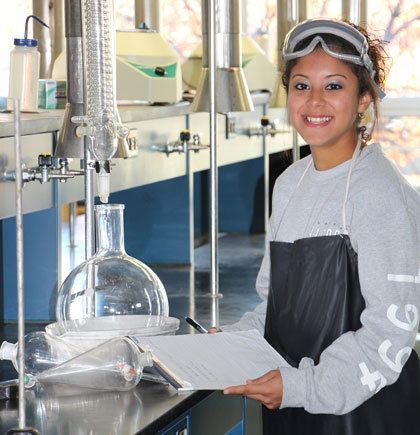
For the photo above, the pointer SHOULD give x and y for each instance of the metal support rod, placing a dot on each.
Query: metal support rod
(215, 320)
(89, 204)
(350, 10)
(59, 30)
(41, 8)
(286, 19)
(89, 230)
(191, 225)
(363, 18)
(69, 145)
(19, 267)
(214, 221)
(302, 10)
(192, 292)
(190, 172)
(72, 213)
(266, 157)
(147, 11)
(244, 16)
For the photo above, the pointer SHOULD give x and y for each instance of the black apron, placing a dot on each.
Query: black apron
(313, 299)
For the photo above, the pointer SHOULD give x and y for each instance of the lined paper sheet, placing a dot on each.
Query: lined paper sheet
(213, 361)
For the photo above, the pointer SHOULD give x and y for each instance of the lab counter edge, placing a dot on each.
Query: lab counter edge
(52, 120)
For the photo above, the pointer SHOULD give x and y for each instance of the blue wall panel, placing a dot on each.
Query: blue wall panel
(241, 197)
(156, 221)
(40, 265)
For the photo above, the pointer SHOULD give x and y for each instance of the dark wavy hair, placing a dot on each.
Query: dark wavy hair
(376, 53)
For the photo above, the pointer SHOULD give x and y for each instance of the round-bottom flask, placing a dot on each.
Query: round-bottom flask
(111, 283)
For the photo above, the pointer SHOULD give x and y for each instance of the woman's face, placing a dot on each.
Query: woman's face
(323, 101)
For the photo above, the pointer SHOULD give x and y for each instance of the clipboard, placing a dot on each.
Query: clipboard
(211, 361)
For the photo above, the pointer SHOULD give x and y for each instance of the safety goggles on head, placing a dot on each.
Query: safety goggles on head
(317, 26)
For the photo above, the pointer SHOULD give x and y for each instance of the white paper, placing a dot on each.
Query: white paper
(214, 361)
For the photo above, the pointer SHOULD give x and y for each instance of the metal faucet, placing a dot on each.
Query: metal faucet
(266, 128)
(45, 172)
(182, 145)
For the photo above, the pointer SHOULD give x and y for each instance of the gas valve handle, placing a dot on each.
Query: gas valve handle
(45, 160)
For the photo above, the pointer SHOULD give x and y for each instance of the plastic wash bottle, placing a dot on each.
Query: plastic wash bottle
(24, 72)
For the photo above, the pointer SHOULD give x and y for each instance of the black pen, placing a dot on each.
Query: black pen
(196, 325)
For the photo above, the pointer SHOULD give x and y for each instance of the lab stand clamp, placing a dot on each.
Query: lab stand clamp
(45, 172)
(133, 148)
(183, 144)
(266, 128)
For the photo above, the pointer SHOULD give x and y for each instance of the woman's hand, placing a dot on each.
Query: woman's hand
(267, 389)
(213, 330)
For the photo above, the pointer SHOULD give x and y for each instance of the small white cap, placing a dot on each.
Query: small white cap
(8, 351)
(103, 186)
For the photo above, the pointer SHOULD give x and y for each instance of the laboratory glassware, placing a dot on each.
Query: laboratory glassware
(42, 351)
(88, 333)
(115, 365)
(100, 124)
(99, 55)
(111, 284)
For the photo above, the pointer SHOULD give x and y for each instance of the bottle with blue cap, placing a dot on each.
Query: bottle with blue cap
(24, 71)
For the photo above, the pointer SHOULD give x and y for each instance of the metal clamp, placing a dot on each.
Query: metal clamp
(45, 171)
(183, 144)
(266, 128)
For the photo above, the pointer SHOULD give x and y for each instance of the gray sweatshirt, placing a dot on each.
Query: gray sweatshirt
(382, 213)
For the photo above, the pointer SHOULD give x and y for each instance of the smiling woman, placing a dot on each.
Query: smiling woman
(324, 105)
(339, 274)
(341, 82)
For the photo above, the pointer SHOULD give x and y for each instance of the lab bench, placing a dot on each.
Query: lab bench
(151, 408)
(148, 410)
(154, 186)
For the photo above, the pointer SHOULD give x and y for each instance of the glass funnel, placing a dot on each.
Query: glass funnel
(42, 351)
(111, 284)
(116, 364)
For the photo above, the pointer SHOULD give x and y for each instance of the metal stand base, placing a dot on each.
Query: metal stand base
(24, 431)
(9, 392)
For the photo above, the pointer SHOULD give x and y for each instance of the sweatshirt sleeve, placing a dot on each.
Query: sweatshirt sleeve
(359, 363)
